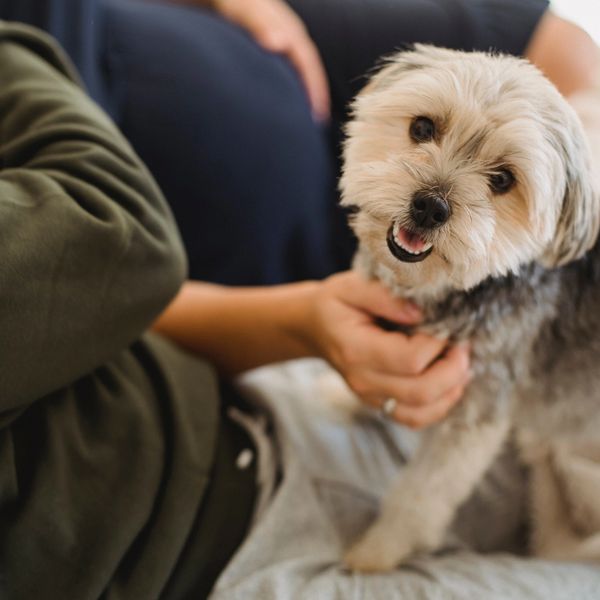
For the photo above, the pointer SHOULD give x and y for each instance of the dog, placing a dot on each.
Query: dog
(475, 194)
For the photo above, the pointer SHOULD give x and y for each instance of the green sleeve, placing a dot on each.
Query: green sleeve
(89, 252)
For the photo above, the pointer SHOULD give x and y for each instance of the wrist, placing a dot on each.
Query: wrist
(297, 316)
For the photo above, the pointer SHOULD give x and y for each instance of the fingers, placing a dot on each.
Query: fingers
(304, 55)
(423, 374)
(423, 416)
(442, 377)
(393, 354)
(411, 390)
(372, 297)
(277, 28)
(288, 37)
(422, 400)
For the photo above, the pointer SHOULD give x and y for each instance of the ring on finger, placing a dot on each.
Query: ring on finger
(389, 406)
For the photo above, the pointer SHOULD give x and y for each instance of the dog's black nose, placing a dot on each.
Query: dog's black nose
(429, 210)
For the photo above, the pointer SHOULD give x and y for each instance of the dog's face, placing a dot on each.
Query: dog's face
(464, 166)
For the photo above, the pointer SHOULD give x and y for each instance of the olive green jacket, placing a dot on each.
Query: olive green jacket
(106, 436)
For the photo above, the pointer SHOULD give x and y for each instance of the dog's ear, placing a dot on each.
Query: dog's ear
(579, 221)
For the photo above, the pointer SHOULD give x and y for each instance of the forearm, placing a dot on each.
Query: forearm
(334, 319)
(240, 328)
(565, 53)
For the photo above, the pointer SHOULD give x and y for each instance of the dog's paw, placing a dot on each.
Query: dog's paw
(377, 552)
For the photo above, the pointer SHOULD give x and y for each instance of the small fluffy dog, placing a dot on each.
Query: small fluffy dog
(474, 191)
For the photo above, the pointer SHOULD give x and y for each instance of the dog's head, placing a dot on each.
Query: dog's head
(463, 166)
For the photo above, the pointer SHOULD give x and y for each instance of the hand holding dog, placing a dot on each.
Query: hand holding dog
(243, 328)
(424, 376)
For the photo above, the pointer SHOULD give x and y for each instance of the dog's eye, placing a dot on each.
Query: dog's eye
(422, 129)
(502, 181)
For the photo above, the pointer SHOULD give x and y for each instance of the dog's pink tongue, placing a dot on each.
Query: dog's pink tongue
(410, 241)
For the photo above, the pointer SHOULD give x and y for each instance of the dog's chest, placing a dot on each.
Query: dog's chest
(501, 320)
(499, 316)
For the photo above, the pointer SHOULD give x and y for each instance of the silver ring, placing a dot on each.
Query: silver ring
(388, 408)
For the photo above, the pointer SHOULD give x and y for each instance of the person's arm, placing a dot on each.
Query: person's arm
(571, 60)
(90, 253)
(565, 53)
(241, 328)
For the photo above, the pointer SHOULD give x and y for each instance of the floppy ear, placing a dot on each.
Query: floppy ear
(579, 220)
(388, 71)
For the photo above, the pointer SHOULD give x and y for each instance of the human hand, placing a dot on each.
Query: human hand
(423, 374)
(277, 28)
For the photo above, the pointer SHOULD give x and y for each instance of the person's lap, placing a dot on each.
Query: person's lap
(335, 469)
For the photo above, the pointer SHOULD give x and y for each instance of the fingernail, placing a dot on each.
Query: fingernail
(320, 117)
(320, 112)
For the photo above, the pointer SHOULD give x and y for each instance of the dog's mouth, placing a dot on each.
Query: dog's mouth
(407, 245)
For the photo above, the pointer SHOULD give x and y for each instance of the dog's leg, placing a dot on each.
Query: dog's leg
(421, 505)
(554, 535)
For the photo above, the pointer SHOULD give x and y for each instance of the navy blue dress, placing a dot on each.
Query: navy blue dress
(225, 127)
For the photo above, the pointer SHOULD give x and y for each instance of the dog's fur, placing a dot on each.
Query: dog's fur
(517, 274)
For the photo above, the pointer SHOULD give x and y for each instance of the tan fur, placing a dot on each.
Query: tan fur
(551, 214)
(490, 112)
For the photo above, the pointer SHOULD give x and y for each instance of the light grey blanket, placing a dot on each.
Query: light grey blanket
(334, 468)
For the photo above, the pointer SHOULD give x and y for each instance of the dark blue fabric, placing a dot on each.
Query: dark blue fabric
(227, 131)
(77, 24)
(225, 127)
(352, 35)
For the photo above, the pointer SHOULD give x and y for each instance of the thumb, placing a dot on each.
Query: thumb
(374, 298)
